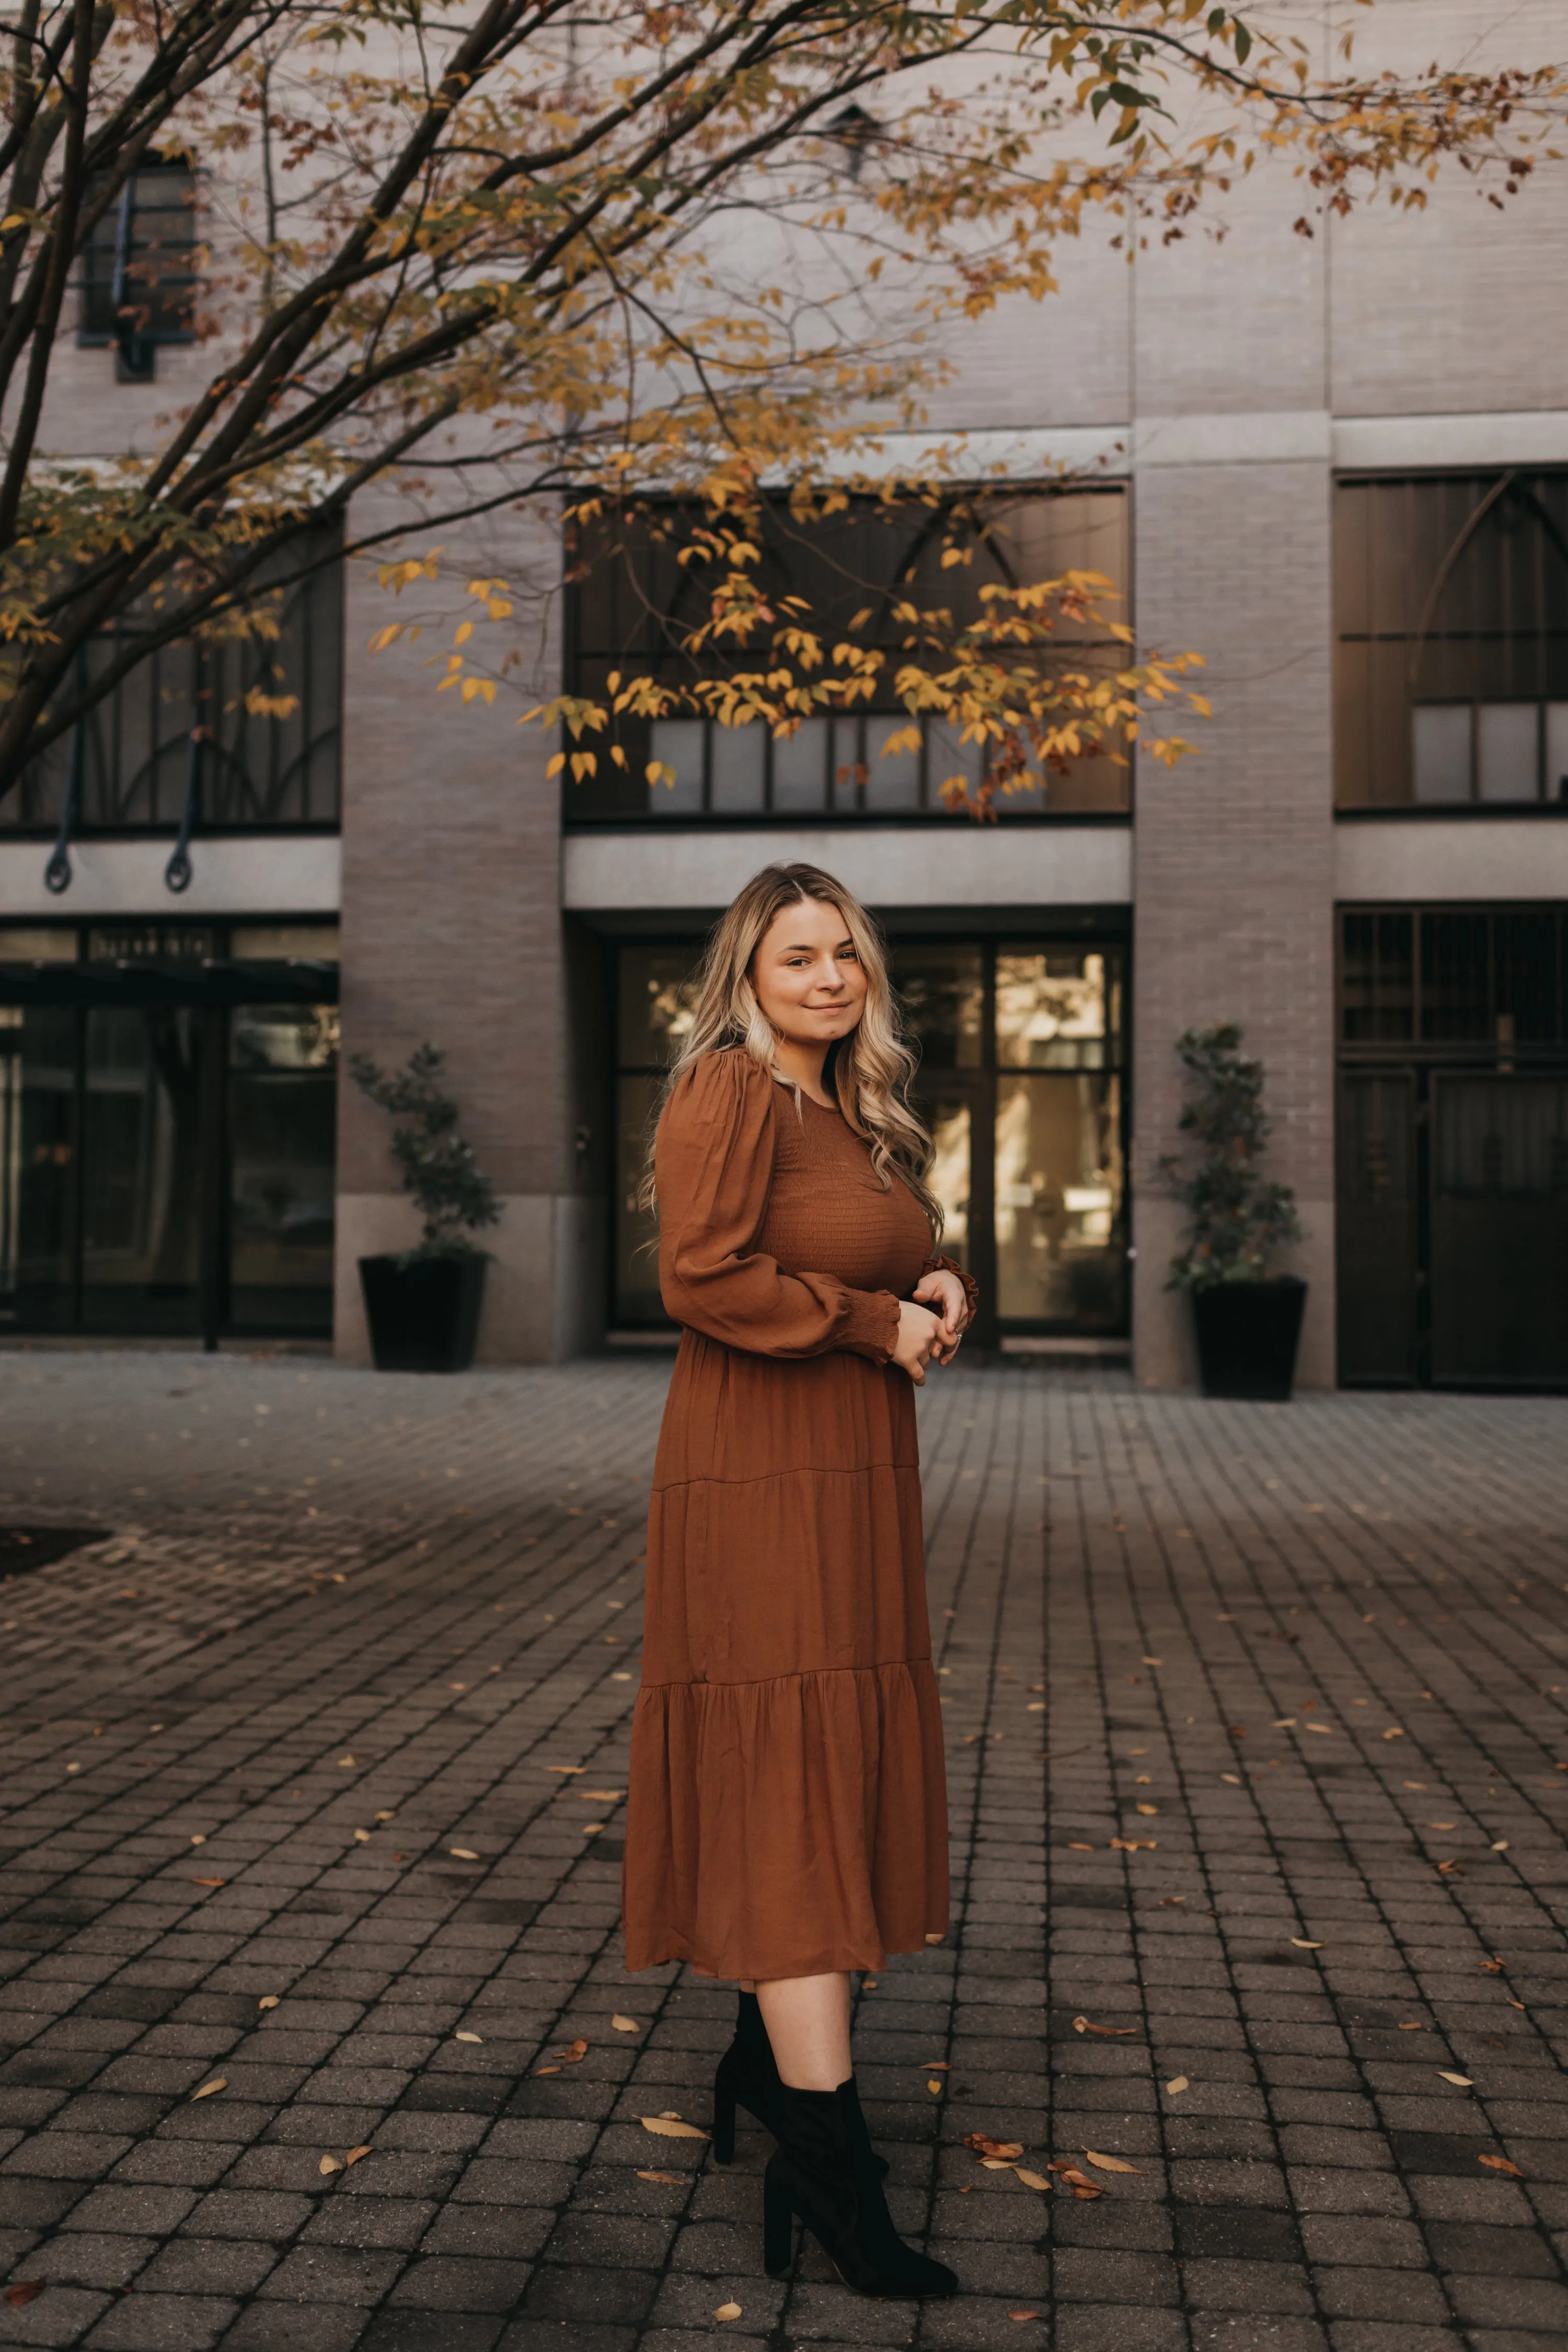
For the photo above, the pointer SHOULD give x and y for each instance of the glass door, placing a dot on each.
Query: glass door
(141, 1173)
(282, 1159)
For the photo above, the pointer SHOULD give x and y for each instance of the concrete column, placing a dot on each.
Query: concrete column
(452, 931)
(1233, 858)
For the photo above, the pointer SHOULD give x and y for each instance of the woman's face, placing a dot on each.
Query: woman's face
(807, 976)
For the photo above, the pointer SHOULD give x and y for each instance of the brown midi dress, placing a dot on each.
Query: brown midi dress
(787, 1812)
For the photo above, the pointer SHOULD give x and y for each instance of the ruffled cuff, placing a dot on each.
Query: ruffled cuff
(971, 1288)
(871, 1326)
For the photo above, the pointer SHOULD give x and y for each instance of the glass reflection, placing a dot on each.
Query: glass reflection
(1058, 1012)
(658, 1001)
(142, 1166)
(941, 990)
(1060, 1244)
(283, 1061)
(949, 1176)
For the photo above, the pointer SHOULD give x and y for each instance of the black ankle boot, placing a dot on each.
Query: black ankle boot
(748, 2077)
(822, 2170)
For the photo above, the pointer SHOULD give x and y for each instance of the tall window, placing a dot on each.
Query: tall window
(191, 719)
(629, 607)
(1451, 595)
(137, 267)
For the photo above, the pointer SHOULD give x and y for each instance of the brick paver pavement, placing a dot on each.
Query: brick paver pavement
(1278, 1920)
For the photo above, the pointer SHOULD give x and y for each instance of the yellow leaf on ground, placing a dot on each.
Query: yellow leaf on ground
(1009, 2150)
(571, 2053)
(463, 1853)
(1302, 1944)
(209, 1882)
(565, 1767)
(343, 1763)
(1032, 2179)
(468, 2037)
(1500, 2164)
(329, 2164)
(1460, 2082)
(355, 2154)
(600, 1796)
(1073, 1847)
(665, 2179)
(219, 2083)
(1176, 2085)
(1109, 2163)
(994, 2164)
(932, 2084)
(625, 2025)
(362, 1837)
(1233, 1778)
(670, 2127)
(269, 2001)
(728, 2311)
(1148, 1809)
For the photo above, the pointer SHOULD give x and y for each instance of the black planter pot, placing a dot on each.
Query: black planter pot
(425, 1316)
(1247, 1336)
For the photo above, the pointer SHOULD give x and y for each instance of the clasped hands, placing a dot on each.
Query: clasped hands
(931, 1324)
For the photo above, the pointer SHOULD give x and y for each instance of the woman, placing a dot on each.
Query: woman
(788, 1817)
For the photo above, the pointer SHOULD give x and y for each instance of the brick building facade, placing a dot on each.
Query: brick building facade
(1337, 467)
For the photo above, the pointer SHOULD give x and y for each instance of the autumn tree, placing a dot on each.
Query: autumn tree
(529, 251)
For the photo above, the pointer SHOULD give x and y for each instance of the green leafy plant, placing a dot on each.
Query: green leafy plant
(450, 1191)
(1238, 1217)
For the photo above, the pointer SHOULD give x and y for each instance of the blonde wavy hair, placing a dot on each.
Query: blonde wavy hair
(872, 1068)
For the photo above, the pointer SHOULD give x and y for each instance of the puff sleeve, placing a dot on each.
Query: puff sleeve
(712, 1165)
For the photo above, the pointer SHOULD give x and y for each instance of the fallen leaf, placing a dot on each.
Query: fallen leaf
(457, 1686)
(1073, 1847)
(1176, 2085)
(1084, 2025)
(1393, 1732)
(1283, 1723)
(571, 2053)
(1233, 1778)
(198, 1840)
(1318, 1727)
(1032, 2179)
(664, 2179)
(1420, 1785)
(994, 2164)
(625, 2025)
(1501, 1847)
(269, 2001)
(362, 1837)
(463, 1853)
(26, 2289)
(565, 1767)
(936, 2067)
(468, 2037)
(1303, 1944)
(600, 1796)
(1170, 1902)
(1154, 1662)
(219, 2083)
(592, 1829)
(1009, 2150)
(934, 2087)
(547, 2070)
(209, 1882)
(343, 1763)
(1110, 2163)
(728, 2311)
(1079, 2182)
(1500, 2164)
(670, 2127)
(1148, 1809)
(1445, 1869)
(1496, 1967)
(1460, 2082)
(329, 2164)
(1135, 1845)
(355, 2154)
(386, 1816)
(1023, 2315)
(1416, 2028)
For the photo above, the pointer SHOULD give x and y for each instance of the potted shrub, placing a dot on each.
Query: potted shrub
(423, 1304)
(1249, 1321)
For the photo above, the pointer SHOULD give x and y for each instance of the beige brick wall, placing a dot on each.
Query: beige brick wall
(453, 931)
(1234, 856)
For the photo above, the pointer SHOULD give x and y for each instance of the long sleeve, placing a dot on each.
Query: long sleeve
(713, 1164)
(949, 1266)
